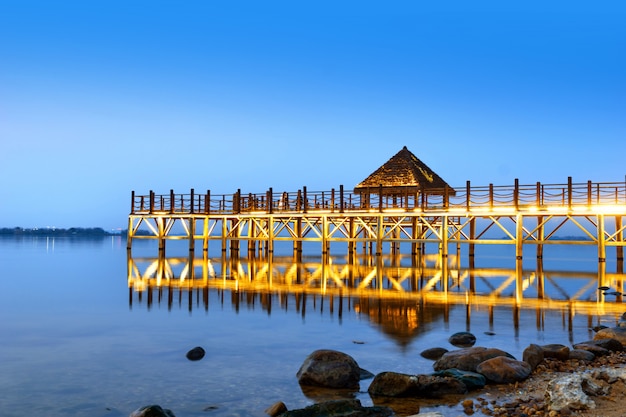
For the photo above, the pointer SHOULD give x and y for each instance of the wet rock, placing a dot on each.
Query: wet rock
(593, 348)
(329, 368)
(462, 339)
(351, 408)
(472, 380)
(533, 355)
(434, 353)
(152, 411)
(365, 374)
(195, 354)
(276, 409)
(504, 370)
(393, 384)
(556, 351)
(617, 333)
(581, 355)
(433, 386)
(467, 359)
(612, 345)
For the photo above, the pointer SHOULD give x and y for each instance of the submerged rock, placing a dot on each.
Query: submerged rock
(339, 408)
(195, 354)
(462, 339)
(434, 353)
(152, 411)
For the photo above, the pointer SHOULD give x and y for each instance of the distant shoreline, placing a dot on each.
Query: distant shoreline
(60, 232)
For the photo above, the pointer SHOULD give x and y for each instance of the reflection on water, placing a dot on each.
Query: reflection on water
(400, 295)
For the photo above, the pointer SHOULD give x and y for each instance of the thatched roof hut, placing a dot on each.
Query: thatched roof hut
(404, 174)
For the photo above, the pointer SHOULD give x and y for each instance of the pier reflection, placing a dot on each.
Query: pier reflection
(401, 295)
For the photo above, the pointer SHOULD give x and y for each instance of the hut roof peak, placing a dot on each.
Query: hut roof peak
(402, 173)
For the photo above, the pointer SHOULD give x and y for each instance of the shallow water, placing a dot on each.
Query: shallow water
(76, 341)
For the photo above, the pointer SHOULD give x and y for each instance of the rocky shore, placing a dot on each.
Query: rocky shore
(587, 379)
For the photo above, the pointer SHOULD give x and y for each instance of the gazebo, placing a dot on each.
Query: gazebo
(403, 176)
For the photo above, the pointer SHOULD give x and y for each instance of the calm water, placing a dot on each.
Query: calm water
(77, 342)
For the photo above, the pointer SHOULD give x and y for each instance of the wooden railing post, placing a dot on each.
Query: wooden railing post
(491, 196)
(305, 203)
(132, 202)
(569, 193)
(270, 201)
(446, 191)
(589, 191)
(237, 201)
(468, 199)
(332, 200)
(152, 197)
(191, 203)
(380, 198)
(207, 202)
(516, 194)
(341, 205)
(172, 201)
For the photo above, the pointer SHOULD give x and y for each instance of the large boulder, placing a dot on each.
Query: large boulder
(330, 369)
(339, 408)
(610, 345)
(468, 359)
(504, 370)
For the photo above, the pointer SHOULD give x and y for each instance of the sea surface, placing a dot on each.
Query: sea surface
(87, 330)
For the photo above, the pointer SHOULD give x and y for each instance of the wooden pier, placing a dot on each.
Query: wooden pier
(523, 216)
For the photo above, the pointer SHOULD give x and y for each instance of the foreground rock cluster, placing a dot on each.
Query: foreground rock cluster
(550, 380)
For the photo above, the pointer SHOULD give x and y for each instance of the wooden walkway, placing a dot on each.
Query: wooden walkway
(524, 216)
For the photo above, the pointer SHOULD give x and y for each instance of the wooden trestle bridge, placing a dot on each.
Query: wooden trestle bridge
(522, 216)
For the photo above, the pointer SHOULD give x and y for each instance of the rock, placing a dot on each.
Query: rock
(331, 369)
(434, 353)
(462, 339)
(609, 344)
(195, 354)
(433, 386)
(393, 384)
(504, 370)
(365, 374)
(566, 392)
(152, 411)
(472, 380)
(467, 359)
(599, 327)
(581, 355)
(276, 409)
(533, 355)
(351, 408)
(593, 348)
(617, 333)
(556, 351)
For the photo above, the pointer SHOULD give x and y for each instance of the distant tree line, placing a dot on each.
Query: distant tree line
(54, 231)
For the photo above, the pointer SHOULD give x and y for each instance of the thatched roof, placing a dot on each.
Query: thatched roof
(401, 174)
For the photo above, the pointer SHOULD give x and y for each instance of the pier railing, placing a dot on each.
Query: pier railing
(519, 197)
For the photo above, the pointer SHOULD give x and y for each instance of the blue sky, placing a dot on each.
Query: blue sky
(99, 98)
